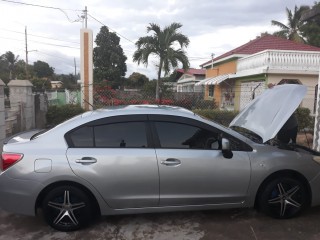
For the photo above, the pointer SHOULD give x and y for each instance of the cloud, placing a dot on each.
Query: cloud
(212, 26)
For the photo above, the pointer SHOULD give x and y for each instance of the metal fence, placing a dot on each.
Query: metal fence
(104, 96)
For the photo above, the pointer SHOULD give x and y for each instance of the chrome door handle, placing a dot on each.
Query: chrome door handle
(171, 162)
(86, 160)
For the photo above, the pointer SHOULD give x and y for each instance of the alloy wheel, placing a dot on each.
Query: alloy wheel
(67, 208)
(284, 197)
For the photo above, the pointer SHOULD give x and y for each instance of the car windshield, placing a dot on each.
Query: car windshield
(247, 133)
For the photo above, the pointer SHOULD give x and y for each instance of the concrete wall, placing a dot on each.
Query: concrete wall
(21, 97)
(26, 110)
(41, 108)
(2, 115)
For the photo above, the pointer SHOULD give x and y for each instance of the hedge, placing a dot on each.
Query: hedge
(58, 114)
(222, 117)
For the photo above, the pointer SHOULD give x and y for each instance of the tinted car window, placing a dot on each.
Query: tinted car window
(176, 135)
(82, 137)
(121, 135)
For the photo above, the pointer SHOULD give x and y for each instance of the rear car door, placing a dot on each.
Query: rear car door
(116, 156)
(192, 168)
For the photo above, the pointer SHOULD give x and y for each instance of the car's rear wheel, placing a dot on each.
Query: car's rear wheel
(283, 197)
(67, 208)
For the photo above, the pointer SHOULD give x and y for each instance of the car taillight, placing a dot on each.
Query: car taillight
(9, 159)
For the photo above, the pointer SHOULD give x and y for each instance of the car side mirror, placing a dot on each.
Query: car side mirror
(226, 149)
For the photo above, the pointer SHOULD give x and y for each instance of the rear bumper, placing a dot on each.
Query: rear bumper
(18, 196)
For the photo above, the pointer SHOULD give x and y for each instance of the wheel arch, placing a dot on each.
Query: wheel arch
(284, 173)
(50, 187)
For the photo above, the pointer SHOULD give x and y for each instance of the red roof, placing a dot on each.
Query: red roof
(193, 71)
(267, 42)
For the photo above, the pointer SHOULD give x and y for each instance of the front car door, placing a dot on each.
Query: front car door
(192, 168)
(115, 155)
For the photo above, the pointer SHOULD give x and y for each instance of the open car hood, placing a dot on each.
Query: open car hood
(266, 114)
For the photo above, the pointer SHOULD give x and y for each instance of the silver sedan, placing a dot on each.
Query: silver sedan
(138, 159)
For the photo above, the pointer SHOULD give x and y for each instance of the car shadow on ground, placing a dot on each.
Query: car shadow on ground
(215, 224)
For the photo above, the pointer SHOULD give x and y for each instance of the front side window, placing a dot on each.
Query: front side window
(183, 136)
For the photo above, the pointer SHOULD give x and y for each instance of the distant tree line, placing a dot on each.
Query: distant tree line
(40, 73)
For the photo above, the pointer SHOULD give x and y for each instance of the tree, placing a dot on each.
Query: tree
(108, 58)
(311, 29)
(149, 89)
(4, 74)
(162, 45)
(40, 84)
(68, 80)
(42, 69)
(137, 80)
(293, 29)
(11, 60)
(20, 70)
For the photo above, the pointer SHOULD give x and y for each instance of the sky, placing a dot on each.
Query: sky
(213, 26)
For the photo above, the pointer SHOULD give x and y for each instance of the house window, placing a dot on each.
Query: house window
(289, 81)
(211, 90)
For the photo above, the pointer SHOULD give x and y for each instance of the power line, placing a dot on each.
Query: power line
(111, 29)
(49, 7)
(36, 5)
(50, 44)
(65, 60)
(55, 39)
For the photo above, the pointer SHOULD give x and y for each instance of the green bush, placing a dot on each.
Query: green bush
(222, 117)
(58, 114)
(205, 104)
(305, 120)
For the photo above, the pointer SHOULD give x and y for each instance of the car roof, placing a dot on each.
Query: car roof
(138, 109)
(124, 110)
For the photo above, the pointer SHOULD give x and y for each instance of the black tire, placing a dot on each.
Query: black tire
(283, 197)
(67, 208)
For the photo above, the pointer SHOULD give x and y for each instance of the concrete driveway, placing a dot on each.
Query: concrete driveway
(222, 224)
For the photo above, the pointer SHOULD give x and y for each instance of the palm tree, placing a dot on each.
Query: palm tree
(162, 45)
(292, 30)
(11, 60)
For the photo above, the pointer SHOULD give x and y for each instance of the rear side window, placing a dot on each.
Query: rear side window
(121, 135)
(82, 137)
(113, 135)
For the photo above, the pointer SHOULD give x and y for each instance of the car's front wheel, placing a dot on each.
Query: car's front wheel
(67, 208)
(283, 197)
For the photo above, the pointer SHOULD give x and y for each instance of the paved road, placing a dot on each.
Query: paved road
(205, 225)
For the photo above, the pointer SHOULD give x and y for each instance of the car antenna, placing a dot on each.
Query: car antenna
(93, 108)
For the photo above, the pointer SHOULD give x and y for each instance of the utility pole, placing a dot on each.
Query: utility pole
(212, 57)
(75, 70)
(86, 64)
(26, 66)
(85, 13)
